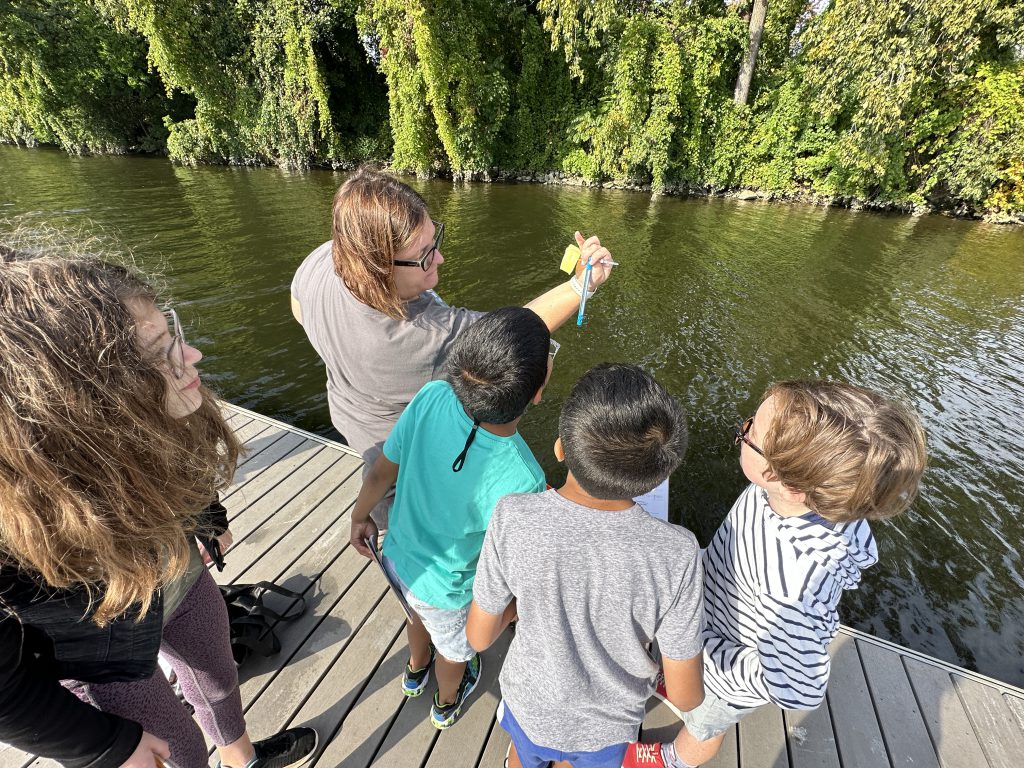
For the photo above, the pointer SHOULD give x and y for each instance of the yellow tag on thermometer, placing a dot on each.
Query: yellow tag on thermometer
(570, 258)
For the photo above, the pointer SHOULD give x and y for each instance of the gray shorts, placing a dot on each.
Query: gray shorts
(447, 627)
(713, 716)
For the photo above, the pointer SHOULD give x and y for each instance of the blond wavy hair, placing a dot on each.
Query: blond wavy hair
(99, 486)
(375, 217)
(855, 453)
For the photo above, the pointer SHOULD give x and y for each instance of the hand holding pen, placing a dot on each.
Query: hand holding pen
(593, 269)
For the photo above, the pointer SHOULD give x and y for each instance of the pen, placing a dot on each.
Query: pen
(608, 263)
(583, 295)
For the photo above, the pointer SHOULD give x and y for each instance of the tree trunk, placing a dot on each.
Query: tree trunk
(747, 70)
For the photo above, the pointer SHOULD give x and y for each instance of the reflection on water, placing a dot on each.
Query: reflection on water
(717, 298)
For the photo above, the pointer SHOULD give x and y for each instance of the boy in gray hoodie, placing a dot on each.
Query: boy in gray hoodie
(823, 460)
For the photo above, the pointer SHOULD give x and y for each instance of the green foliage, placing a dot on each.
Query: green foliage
(893, 100)
(630, 133)
(876, 68)
(979, 157)
(541, 108)
(259, 74)
(68, 78)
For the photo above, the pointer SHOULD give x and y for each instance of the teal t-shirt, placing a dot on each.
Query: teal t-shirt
(437, 522)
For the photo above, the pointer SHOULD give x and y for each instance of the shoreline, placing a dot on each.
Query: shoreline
(559, 178)
(744, 194)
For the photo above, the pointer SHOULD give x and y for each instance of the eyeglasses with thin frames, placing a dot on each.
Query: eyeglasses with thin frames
(176, 352)
(741, 431)
(424, 261)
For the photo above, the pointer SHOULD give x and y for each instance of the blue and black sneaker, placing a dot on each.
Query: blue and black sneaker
(444, 716)
(415, 680)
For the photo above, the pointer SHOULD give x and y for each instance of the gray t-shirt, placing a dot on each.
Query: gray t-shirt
(593, 589)
(375, 364)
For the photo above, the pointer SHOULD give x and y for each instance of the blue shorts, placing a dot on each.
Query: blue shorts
(713, 716)
(534, 756)
(447, 627)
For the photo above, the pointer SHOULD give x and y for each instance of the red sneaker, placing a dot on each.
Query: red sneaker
(661, 693)
(643, 756)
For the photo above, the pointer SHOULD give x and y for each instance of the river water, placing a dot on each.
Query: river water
(718, 298)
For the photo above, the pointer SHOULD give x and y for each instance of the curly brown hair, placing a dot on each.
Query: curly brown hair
(855, 453)
(375, 216)
(99, 486)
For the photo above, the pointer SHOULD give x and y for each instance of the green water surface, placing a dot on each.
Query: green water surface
(718, 298)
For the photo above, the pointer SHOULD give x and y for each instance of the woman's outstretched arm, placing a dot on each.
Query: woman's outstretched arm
(562, 302)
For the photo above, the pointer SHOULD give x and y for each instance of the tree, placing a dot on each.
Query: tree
(746, 75)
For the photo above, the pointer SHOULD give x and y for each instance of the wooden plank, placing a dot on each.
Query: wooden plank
(349, 675)
(249, 435)
(762, 739)
(995, 725)
(496, 748)
(291, 531)
(277, 703)
(323, 534)
(260, 483)
(411, 736)
(461, 745)
(320, 617)
(270, 452)
(729, 755)
(906, 735)
(14, 758)
(857, 733)
(811, 741)
(273, 492)
(368, 722)
(949, 728)
(256, 436)
(1016, 705)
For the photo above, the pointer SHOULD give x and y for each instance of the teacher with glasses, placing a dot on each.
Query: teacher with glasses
(367, 303)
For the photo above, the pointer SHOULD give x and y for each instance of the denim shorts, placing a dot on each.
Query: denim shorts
(447, 627)
(713, 716)
(533, 756)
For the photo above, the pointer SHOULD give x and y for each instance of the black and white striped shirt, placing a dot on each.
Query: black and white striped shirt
(771, 588)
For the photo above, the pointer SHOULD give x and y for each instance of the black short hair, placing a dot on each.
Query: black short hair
(621, 431)
(497, 365)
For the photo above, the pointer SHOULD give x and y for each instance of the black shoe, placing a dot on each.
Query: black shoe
(443, 716)
(286, 749)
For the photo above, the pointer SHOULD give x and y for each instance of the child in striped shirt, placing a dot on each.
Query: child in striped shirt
(823, 460)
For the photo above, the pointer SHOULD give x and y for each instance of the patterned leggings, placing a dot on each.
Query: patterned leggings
(196, 643)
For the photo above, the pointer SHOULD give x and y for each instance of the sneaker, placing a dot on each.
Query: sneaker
(415, 680)
(287, 749)
(662, 693)
(643, 756)
(442, 717)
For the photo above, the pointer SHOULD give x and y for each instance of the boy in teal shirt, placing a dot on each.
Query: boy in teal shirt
(454, 452)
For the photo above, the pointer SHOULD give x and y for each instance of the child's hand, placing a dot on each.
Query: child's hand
(592, 252)
(361, 532)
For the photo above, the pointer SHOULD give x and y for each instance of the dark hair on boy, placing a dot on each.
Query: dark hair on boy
(497, 365)
(621, 431)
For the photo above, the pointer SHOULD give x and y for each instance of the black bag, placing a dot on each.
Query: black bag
(251, 623)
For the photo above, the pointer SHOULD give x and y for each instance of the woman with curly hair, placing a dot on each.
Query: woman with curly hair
(110, 453)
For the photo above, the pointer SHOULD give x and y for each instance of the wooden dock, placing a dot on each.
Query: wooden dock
(340, 662)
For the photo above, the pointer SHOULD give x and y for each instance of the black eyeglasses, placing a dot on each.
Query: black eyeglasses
(427, 258)
(176, 352)
(741, 431)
